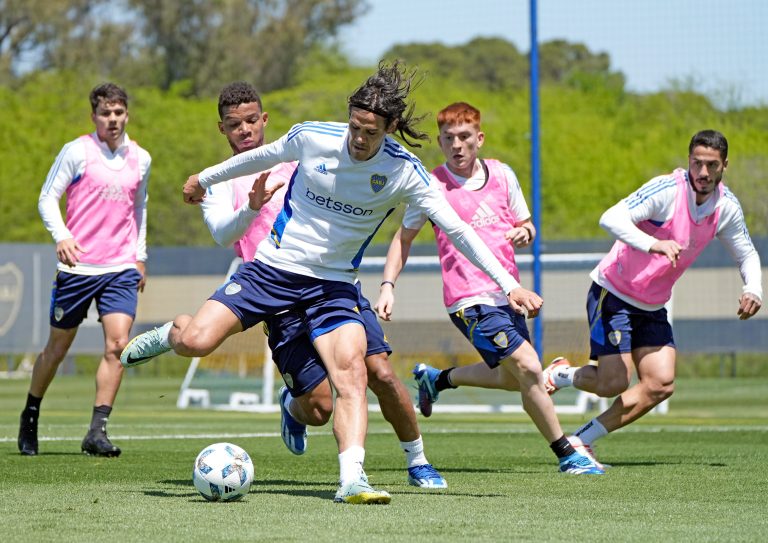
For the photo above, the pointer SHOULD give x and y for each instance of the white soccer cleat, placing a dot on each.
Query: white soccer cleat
(146, 346)
(360, 492)
(549, 378)
(586, 450)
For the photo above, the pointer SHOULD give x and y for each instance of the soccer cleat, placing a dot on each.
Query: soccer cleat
(96, 443)
(426, 476)
(425, 377)
(549, 378)
(586, 450)
(146, 346)
(360, 492)
(578, 464)
(27, 434)
(294, 433)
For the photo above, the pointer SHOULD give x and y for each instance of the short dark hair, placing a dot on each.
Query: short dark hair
(109, 93)
(712, 139)
(384, 94)
(237, 93)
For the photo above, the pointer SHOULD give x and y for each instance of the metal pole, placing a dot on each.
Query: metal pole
(538, 327)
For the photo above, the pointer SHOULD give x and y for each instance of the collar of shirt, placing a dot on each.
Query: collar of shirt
(121, 150)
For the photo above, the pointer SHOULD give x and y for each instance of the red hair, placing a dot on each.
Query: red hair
(459, 113)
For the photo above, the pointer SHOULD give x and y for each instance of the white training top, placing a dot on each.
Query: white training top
(336, 204)
(68, 167)
(655, 201)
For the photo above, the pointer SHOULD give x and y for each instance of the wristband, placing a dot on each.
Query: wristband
(387, 283)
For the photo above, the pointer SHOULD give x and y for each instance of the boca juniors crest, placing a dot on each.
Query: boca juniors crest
(11, 290)
(378, 182)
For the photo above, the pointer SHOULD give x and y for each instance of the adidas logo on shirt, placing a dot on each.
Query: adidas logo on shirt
(484, 216)
(321, 169)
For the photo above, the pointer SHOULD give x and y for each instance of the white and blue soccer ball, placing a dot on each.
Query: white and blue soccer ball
(222, 472)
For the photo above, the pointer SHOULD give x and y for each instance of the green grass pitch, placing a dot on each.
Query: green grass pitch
(696, 474)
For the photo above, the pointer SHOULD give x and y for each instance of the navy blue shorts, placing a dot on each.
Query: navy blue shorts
(296, 357)
(618, 327)
(496, 332)
(256, 292)
(72, 295)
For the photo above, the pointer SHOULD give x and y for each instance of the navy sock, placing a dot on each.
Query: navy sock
(100, 416)
(562, 447)
(442, 382)
(33, 404)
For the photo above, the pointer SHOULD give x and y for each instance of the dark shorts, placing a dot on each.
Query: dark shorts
(618, 327)
(496, 332)
(296, 357)
(257, 292)
(73, 293)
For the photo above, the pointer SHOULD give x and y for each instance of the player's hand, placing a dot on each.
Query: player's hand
(669, 248)
(386, 302)
(749, 304)
(259, 194)
(141, 267)
(525, 302)
(68, 252)
(193, 193)
(519, 236)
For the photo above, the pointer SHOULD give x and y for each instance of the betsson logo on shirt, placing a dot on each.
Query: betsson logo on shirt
(337, 206)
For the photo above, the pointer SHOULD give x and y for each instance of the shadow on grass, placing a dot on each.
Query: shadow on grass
(184, 489)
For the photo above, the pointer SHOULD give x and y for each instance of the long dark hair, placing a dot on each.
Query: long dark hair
(385, 92)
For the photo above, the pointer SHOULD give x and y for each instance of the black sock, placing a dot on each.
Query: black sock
(33, 404)
(100, 416)
(442, 382)
(562, 447)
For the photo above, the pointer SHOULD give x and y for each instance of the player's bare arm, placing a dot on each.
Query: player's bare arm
(193, 193)
(397, 255)
(669, 248)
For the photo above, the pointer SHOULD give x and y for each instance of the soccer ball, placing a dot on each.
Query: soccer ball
(222, 472)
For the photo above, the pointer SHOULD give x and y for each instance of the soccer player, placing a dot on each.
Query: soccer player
(486, 194)
(101, 250)
(307, 398)
(660, 230)
(350, 178)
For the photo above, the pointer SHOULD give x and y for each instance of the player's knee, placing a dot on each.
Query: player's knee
(658, 392)
(54, 353)
(382, 380)
(319, 412)
(528, 372)
(115, 346)
(194, 342)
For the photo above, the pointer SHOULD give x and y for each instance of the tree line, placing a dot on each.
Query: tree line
(599, 141)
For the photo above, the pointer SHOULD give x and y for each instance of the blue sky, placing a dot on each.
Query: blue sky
(720, 45)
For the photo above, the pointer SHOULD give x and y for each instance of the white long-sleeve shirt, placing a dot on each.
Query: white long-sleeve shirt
(335, 204)
(655, 201)
(68, 167)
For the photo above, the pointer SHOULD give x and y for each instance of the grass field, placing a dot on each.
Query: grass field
(696, 474)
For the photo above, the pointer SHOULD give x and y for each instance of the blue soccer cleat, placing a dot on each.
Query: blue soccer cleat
(426, 476)
(578, 464)
(425, 377)
(294, 433)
